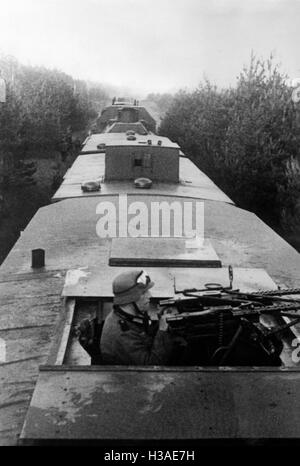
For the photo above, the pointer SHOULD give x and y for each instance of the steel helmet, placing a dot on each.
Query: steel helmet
(129, 286)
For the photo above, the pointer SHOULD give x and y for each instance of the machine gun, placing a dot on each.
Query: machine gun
(226, 324)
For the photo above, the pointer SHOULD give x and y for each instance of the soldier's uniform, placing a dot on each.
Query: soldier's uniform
(129, 339)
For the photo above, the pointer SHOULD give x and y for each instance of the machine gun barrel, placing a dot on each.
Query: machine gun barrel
(238, 311)
(263, 296)
(268, 309)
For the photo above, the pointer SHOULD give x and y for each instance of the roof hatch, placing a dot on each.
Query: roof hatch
(155, 252)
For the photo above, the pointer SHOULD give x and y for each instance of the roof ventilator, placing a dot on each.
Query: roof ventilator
(131, 137)
(143, 183)
(90, 186)
(149, 142)
(101, 146)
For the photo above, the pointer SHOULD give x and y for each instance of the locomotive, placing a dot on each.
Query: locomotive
(132, 198)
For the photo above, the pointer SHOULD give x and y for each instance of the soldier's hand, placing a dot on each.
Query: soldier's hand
(163, 324)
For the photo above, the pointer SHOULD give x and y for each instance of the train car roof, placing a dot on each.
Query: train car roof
(31, 299)
(238, 236)
(120, 139)
(193, 182)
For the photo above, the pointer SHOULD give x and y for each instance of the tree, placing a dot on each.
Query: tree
(245, 138)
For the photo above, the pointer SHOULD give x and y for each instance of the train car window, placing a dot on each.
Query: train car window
(138, 161)
(142, 161)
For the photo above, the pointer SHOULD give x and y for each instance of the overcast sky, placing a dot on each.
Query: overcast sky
(151, 45)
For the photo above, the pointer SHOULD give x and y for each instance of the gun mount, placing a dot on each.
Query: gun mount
(227, 327)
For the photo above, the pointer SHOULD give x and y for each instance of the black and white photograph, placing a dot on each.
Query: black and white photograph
(149, 226)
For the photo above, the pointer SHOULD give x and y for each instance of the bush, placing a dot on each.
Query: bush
(42, 109)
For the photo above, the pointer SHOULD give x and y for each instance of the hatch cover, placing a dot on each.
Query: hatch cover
(116, 405)
(157, 252)
(89, 282)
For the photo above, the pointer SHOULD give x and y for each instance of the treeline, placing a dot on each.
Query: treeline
(163, 101)
(246, 139)
(42, 122)
(41, 104)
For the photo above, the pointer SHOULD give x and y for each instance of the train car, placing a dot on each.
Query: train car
(133, 199)
(123, 112)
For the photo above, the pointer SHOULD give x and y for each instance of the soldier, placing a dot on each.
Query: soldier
(128, 337)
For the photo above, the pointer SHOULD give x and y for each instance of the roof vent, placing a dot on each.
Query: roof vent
(159, 142)
(149, 142)
(143, 183)
(101, 146)
(131, 137)
(90, 186)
